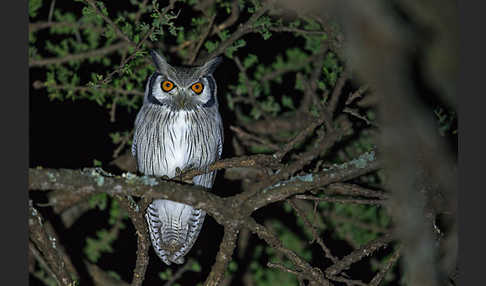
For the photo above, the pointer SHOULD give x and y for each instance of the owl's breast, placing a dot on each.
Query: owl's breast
(175, 140)
(176, 151)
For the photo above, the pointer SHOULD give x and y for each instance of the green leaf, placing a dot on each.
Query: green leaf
(96, 163)
(210, 46)
(287, 102)
(250, 60)
(34, 6)
(233, 48)
(99, 200)
(166, 275)
(196, 267)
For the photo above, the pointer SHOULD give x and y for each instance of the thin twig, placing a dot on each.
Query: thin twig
(350, 220)
(348, 282)
(283, 268)
(249, 137)
(39, 84)
(342, 200)
(204, 36)
(110, 22)
(80, 56)
(355, 190)
(378, 278)
(241, 31)
(357, 94)
(310, 273)
(298, 31)
(141, 10)
(34, 27)
(251, 98)
(315, 236)
(179, 273)
(336, 94)
(301, 64)
(299, 138)
(235, 14)
(123, 143)
(113, 108)
(358, 254)
(233, 17)
(51, 10)
(355, 113)
(126, 60)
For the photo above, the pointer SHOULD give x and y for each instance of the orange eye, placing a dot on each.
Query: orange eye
(197, 87)
(167, 85)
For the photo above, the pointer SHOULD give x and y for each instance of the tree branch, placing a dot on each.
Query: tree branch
(388, 265)
(48, 246)
(281, 190)
(136, 214)
(38, 84)
(76, 57)
(110, 22)
(309, 272)
(358, 254)
(223, 257)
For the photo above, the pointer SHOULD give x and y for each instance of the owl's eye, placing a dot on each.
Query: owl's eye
(197, 87)
(167, 85)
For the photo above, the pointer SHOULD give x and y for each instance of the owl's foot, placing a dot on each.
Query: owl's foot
(180, 174)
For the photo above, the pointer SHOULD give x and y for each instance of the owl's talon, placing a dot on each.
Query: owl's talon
(165, 177)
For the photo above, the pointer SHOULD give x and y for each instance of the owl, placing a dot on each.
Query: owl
(177, 127)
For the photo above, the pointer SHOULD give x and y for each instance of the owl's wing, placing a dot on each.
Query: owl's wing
(134, 146)
(220, 141)
(220, 147)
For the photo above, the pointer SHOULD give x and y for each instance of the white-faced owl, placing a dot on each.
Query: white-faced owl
(177, 127)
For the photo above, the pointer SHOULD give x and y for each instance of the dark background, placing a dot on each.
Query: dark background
(71, 134)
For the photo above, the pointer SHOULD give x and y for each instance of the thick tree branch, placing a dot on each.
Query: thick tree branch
(258, 160)
(223, 257)
(89, 181)
(281, 190)
(136, 214)
(48, 246)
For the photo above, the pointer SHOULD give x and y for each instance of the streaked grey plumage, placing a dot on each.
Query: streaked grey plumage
(177, 128)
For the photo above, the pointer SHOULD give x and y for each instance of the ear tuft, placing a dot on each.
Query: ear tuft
(159, 61)
(210, 66)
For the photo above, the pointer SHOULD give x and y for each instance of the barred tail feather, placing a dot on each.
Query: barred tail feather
(154, 225)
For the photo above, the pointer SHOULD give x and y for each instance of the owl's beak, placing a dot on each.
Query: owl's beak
(182, 100)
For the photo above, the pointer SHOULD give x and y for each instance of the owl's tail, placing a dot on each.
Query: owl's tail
(173, 227)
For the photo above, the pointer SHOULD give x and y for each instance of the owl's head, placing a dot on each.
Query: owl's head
(182, 88)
